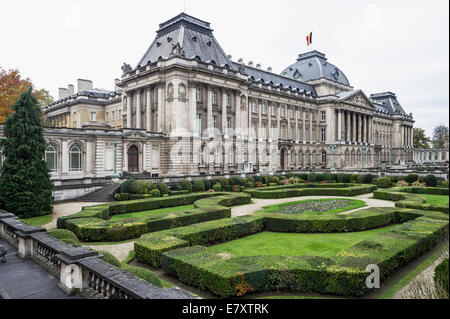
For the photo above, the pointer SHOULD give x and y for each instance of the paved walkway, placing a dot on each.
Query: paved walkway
(120, 251)
(261, 203)
(24, 279)
(67, 208)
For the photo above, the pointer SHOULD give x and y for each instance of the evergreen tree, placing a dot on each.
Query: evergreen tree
(25, 186)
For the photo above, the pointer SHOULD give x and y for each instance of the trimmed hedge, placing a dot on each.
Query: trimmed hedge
(296, 190)
(65, 236)
(345, 274)
(92, 224)
(441, 276)
(406, 197)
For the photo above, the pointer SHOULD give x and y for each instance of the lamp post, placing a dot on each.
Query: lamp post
(332, 150)
(115, 175)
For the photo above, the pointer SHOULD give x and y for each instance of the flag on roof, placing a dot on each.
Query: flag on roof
(309, 39)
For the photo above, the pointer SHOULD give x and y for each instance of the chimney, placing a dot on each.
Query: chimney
(250, 63)
(71, 89)
(258, 66)
(269, 69)
(116, 87)
(63, 93)
(84, 85)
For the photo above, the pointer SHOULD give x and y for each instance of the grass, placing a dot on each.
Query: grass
(435, 199)
(389, 293)
(152, 212)
(297, 297)
(294, 244)
(38, 221)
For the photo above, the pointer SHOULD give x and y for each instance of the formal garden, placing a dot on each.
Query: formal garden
(318, 245)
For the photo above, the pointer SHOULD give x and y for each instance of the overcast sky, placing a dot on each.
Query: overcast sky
(398, 46)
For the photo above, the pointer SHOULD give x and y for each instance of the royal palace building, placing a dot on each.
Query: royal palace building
(188, 108)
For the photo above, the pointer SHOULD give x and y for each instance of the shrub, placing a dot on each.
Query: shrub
(282, 177)
(441, 278)
(217, 187)
(276, 179)
(207, 184)
(326, 177)
(176, 187)
(312, 177)
(144, 274)
(368, 179)
(445, 184)
(430, 181)
(65, 236)
(411, 178)
(224, 182)
(402, 183)
(383, 182)
(253, 180)
(250, 184)
(199, 186)
(360, 179)
(186, 185)
(127, 186)
(141, 187)
(418, 184)
(258, 184)
(163, 188)
(153, 186)
(236, 189)
(109, 258)
(155, 193)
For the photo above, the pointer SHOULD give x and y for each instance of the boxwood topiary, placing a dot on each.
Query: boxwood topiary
(65, 236)
(109, 258)
(144, 274)
(217, 187)
(430, 181)
(163, 188)
(207, 184)
(127, 186)
(411, 178)
(199, 186)
(186, 185)
(155, 193)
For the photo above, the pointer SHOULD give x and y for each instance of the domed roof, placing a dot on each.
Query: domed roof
(314, 65)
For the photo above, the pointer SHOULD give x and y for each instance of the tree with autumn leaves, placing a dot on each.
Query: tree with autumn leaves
(12, 85)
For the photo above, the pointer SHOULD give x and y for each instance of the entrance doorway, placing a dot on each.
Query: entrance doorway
(133, 159)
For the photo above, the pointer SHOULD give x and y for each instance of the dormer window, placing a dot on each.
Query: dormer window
(169, 39)
(158, 44)
(208, 43)
(194, 38)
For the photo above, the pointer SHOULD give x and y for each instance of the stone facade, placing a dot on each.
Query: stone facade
(188, 109)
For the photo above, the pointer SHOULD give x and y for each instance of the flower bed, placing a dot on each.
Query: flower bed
(315, 206)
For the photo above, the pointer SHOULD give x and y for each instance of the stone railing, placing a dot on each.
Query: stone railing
(80, 270)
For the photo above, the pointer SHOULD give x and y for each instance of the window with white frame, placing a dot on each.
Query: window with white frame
(93, 116)
(264, 130)
(51, 158)
(291, 133)
(323, 115)
(214, 121)
(299, 134)
(312, 115)
(283, 111)
(120, 114)
(263, 108)
(201, 156)
(254, 110)
(254, 128)
(306, 137)
(291, 112)
(299, 113)
(283, 132)
(323, 134)
(231, 156)
(198, 123)
(324, 157)
(217, 155)
(198, 94)
(74, 116)
(75, 157)
(273, 110)
(228, 99)
(273, 131)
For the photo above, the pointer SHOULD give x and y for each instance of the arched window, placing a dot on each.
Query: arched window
(324, 157)
(51, 158)
(75, 156)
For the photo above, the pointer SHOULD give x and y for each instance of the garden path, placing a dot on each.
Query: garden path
(66, 208)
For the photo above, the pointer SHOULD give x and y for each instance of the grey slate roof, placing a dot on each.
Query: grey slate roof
(93, 93)
(265, 77)
(195, 38)
(387, 101)
(314, 65)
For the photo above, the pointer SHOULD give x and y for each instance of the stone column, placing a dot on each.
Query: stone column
(359, 128)
(304, 125)
(258, 131)
(348, 129)
(149, 109)
(209, 113)
(160, 122)
(138, 109)
(297, 138)
(127, 101)
(354, 127)
(310, 126)
(237, 124)
(224, 113)
(192, 125)
(278, 128)
(339, 126)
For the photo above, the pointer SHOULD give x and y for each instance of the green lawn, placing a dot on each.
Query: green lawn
(435, 199)
(289, 244)
(152, 212)
(37, 221)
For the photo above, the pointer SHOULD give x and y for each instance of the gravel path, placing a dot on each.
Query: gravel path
(260, 203)
(67, 208)
(120, 251)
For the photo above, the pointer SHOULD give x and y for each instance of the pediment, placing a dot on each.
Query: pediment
(134, 134)
(358, 98)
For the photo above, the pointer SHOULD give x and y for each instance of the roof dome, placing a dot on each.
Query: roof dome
(314, 65)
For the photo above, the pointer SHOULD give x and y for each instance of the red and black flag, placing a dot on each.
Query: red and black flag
(309, 39)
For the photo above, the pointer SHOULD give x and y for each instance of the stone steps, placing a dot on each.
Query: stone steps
(104, 194)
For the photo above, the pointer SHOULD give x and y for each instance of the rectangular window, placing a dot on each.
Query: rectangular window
(283, 111)
(198, 94)
(228, 125)
(313, 134)
(263, 108)
(299, 114)
(214, 121)
(120, 114)
(107, 117)
(228, 100)
(74, 116)
(254, 128)
(306, 115)
(93, 116)
(113, 115)
(306, 137)
(273, 130)
(273, 110)
(292, 112)
(291, 133)
(283, 132)
(323, 115)
(323, 135)
(199, 123)
(214, 97)
(299, 134)
(254, 107)
(263, 131)
(312, 116)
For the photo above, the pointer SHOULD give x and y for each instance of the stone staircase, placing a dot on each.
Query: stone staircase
(104, 194)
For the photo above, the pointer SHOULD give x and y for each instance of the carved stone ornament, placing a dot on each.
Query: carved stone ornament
(170, 91)
(243, 103)
(182, 91)
(125, 103)
(177, 51)
(126, 68)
